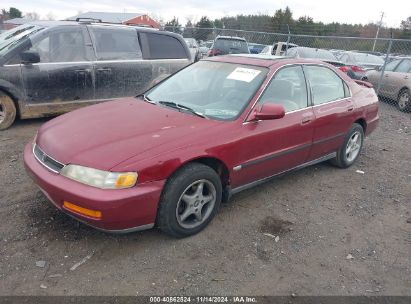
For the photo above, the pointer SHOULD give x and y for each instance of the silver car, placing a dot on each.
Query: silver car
(194, 49)
(396, 82)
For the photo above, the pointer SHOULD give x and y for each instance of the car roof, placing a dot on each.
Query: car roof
(67, 22)
(263, 60)
(230, 37)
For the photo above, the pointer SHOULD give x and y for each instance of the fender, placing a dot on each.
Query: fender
(16, 94)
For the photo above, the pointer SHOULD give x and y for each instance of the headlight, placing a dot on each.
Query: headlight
(98, 178)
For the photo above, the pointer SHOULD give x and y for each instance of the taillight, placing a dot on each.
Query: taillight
(357, 69)
(213, 52)
(345, 69)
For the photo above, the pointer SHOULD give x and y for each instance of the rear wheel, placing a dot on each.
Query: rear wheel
(351, 148)
(190, 200)
(7, 111)
(404, 100)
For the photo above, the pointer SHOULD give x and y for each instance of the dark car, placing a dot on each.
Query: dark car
(217, 127)
(47, 68)
(224, 45)
(256, 48)
(357, 64)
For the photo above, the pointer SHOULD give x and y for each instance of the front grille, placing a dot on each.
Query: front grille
(47, 161)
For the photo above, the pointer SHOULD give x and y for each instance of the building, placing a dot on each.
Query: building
(11, 23)
(120, 18)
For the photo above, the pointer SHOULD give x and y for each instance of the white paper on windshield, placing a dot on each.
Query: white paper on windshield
(243, 74)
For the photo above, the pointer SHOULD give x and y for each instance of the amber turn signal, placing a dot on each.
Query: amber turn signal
(81, 210)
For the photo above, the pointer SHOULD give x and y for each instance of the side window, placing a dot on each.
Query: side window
(325, 84)
(158, 46)
(288, 88)
(404, 67)
(64, 44)
(392, 65)
(116, 43)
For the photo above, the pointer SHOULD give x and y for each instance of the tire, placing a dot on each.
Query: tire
(181, 217)
(7, 111)
(344, 158)
(404, 100)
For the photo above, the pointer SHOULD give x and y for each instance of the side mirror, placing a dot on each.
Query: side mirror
(268, 111)
(29, 57)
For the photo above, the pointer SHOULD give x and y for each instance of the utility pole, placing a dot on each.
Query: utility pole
(378, 31)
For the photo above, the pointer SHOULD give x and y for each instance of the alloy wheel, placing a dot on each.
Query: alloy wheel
(353, 146)
(2, 112)
(196, 204)
(403, 100)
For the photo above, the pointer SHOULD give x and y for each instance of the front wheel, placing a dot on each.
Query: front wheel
(190, 200)
(404, 100)
(351, 148)
(7, 111)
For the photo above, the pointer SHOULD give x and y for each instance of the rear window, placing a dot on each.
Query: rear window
(231, 46)
(158, 46)
(368, 59)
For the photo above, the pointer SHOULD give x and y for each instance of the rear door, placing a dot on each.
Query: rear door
(64, 73)
(119, 68)
(274, 146)
(333, 109)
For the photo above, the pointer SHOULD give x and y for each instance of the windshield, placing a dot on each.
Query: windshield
(14, 36)
(368, 59)
(217, 90)
(231, 46)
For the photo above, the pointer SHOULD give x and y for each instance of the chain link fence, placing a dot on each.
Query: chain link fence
(390, 74)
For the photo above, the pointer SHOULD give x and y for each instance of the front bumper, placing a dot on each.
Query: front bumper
(122, 210)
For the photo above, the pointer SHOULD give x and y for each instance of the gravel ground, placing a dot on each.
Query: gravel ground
(318, 231)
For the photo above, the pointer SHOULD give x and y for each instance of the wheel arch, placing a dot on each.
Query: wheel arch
(213, 162)
(362, 123)
(402, 89)
(13, 94)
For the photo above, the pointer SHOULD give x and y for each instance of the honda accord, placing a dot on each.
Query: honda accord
(169, 157)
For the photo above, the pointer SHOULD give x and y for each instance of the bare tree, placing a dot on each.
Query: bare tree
(32, 16)
(50, 16)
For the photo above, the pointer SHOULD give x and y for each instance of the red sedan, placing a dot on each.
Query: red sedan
(171, 156)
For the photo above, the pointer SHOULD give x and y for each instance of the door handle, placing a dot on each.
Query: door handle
(306, 119)
(350, 108)
(386, 75)
(104, 70)
(406, 77)
(82, 71)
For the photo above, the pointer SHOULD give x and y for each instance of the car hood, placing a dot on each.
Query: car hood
(104, 135)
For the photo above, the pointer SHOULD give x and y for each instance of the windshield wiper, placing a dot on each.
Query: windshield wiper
(145, 98)
(175, 105)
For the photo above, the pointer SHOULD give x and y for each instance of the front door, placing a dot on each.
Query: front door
(272, 146)
(399, 79)
(64, 73)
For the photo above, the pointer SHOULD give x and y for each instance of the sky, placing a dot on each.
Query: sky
(347, 11)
